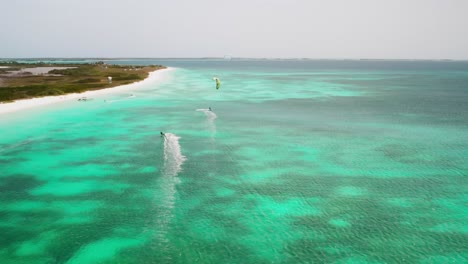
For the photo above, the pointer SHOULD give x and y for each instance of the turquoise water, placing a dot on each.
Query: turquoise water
(298, 162)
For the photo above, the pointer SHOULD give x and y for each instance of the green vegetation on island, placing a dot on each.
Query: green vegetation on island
(26, 80)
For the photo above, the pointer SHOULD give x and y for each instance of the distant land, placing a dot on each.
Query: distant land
(19, 80)
(35, 59)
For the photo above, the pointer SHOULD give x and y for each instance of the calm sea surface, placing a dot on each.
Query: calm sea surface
(298, 162)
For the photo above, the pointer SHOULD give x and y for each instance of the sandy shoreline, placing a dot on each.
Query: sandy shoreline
(41, 101)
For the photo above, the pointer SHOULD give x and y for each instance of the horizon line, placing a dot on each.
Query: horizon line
(230, 58)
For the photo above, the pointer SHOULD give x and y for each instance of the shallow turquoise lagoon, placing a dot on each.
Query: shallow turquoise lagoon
(298, 162)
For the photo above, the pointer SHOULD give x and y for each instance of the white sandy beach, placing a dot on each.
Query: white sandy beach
(42, 101)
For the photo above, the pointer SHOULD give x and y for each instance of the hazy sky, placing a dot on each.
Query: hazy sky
(411, 29)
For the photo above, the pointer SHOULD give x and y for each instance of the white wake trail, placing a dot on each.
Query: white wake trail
(7, 147)
(210, 118)
(173, 158)
(123, 99)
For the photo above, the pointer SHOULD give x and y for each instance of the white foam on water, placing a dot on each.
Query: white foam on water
(210, 118)
(173, 158)
(16, 145)
(123, 99)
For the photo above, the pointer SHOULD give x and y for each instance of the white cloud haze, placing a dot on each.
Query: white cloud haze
(398, 29)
